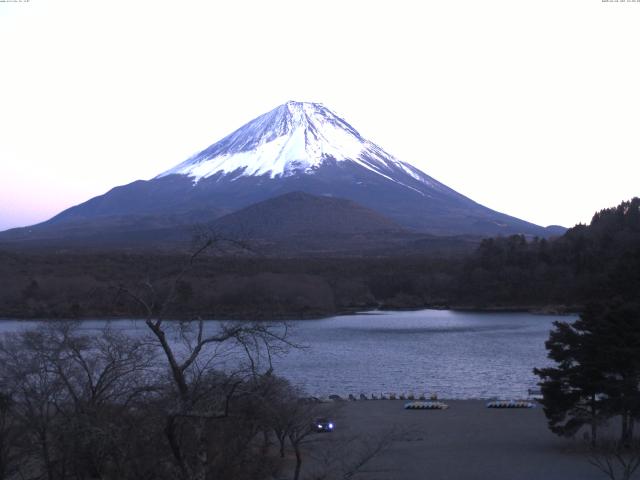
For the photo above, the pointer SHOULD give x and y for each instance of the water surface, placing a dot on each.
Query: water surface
(454, 354)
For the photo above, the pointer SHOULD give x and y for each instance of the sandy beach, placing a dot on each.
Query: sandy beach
(466, 441)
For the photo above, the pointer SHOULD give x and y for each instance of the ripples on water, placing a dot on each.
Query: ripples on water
(455, 354)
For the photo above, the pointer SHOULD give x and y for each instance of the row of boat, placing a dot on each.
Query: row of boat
(423, 405)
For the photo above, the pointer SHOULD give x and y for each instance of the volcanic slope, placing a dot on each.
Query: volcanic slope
(297, 147)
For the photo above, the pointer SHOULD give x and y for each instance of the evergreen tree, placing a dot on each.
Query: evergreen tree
(617, 330)
(572, 390)
(597, 375)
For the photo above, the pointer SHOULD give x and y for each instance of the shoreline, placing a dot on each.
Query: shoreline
(560, 310)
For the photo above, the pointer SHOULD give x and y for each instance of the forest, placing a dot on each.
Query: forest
(561, 274)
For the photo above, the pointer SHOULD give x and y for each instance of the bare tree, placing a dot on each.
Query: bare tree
(334, 456)
(70, 392)
(37, 392)
(100, 405)
(348, 456)
(280, 399)
(9, 435)
(616, 460)
(191, 352)
(300, 424)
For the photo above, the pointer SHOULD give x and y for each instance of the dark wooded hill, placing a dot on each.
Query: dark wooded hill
(299, 213)
(295, 223)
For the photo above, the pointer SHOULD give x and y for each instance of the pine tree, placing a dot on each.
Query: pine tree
(572, 390)
(597, 375)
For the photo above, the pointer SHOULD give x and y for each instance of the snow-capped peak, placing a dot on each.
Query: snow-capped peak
(296, 137)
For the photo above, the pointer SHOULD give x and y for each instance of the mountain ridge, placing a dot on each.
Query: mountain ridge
(296, 137)
(295, 147)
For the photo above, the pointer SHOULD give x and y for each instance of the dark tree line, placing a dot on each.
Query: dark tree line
(595, 379)
(587, 263)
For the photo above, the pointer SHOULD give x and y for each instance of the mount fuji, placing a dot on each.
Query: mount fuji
(297, 147)
(295, 138)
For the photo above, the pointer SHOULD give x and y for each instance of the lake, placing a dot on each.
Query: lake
(454, 354)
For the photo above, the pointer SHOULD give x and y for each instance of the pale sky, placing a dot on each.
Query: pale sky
(529, 107)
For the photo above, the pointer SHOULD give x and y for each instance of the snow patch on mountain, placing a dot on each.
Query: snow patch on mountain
(293, 138)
